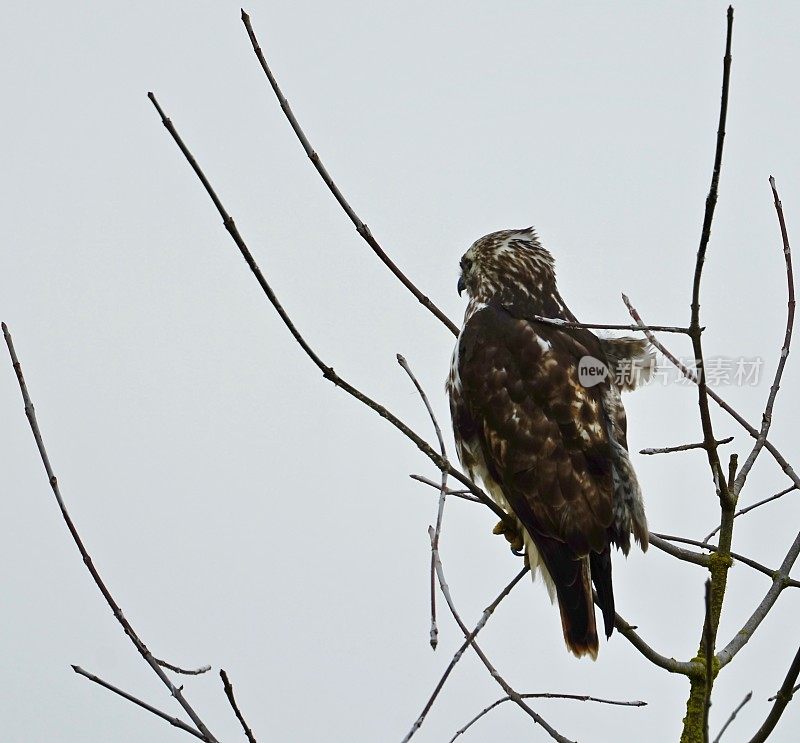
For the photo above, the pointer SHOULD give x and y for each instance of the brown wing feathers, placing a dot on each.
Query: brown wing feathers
(544, 441)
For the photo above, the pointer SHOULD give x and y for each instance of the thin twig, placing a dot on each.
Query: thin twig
(463, 493)
(766, 418)
(558, 323)
(708, 649)
(174, 721)
(787, 582)
(683, 447)
(407, 369)
(574, 697)
(782, 698)
(493, 672)
(87, 560)
(709, 439)
(487, 612)
(228, 687)
(752, 507)
(434, 633)
(698, 558)
(361, 228)
(327, 371)
(747, 698)
(184, 671)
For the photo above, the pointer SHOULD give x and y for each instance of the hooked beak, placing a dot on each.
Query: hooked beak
(461, 284)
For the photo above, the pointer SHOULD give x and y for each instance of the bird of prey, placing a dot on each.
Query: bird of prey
(547, 440)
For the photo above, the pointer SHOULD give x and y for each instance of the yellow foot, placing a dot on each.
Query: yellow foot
(510, 530)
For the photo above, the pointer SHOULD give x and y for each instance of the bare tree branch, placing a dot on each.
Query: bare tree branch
(747, 509)
(700, 685)
(87, 560)
(493, 672)
(174, 721)
(463, 494)
(697, 558)
(558, 323)
(732, 717)
(788, 582)
(690, 375)
(361, 228)
(184, 671)
(434, 633)
(683, 447)
(727, 490)
(685, 668)
(709, 439)
(782, 698)
(327, 371)
(228, 688)
(487, 612)
(781, 577)
(574, 697)
(766, 419)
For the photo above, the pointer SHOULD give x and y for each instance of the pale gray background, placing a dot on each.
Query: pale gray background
(246, 513)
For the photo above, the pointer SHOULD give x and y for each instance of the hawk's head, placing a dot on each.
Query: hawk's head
(508, 265)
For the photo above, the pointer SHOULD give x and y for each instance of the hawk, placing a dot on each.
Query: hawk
(549, 449)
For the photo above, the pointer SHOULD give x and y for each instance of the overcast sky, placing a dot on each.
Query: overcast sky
(247, 514)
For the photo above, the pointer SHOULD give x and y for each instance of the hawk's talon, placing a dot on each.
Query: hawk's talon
(511, 531)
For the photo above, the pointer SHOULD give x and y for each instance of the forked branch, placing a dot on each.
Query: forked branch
(174, 721)
(487, 612)
(434, 633)
(573, 697)
(512, 693)
(752, 507)
(87, 559)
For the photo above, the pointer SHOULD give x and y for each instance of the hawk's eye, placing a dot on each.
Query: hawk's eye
(466, 264)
